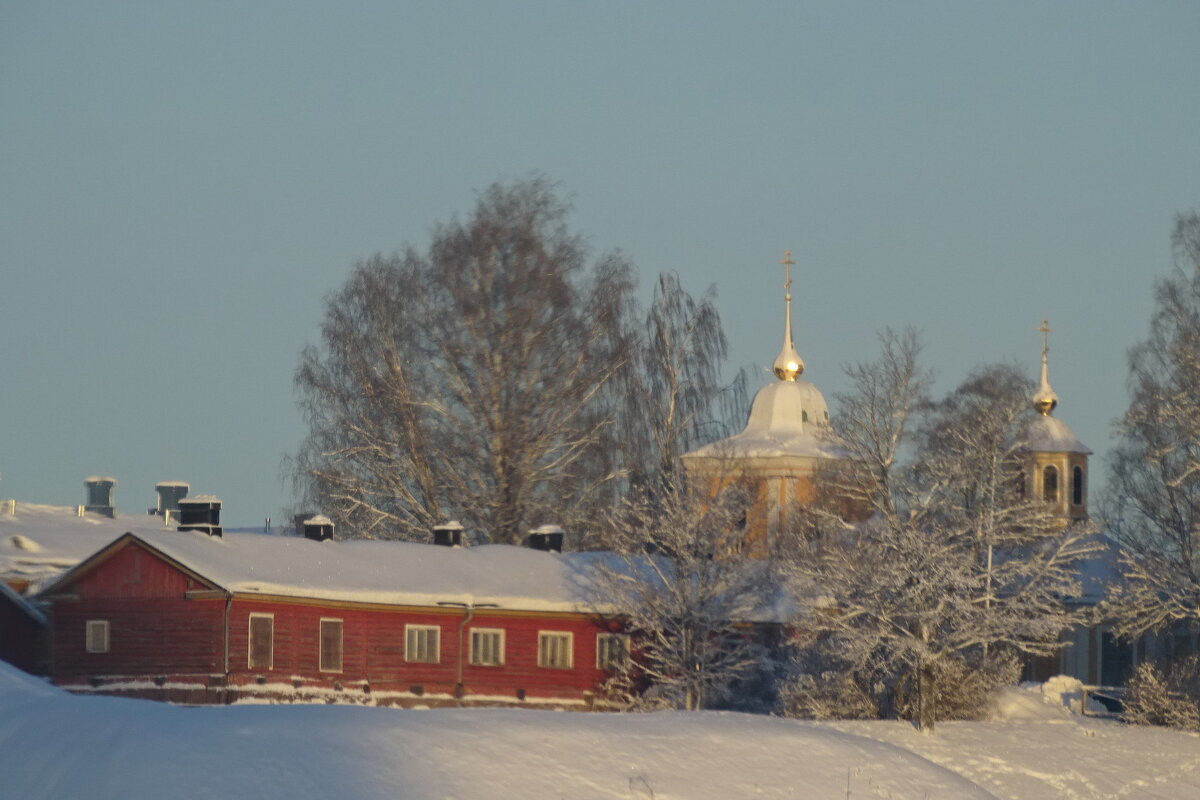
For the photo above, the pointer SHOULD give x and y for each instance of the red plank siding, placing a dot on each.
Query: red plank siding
(153, 636)
(133, 572)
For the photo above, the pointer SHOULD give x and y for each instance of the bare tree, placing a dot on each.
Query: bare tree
(476, 380)
(1154, 505)
(683, 594)
(954, 559)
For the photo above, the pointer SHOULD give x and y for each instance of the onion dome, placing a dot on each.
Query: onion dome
(788, 417)
(1044, 399)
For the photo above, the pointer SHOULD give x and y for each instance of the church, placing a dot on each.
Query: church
(788, 441)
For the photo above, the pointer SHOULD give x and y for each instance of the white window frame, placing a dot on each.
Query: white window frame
(250, 641)
(321, 644)
(545, 636)
(610, 665)
(409, 656)
(102, 627)
(499, 633)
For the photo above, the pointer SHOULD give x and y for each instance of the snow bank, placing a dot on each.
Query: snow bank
(57, 745)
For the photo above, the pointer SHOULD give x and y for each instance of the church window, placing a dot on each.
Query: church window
(804, 416)
(1050, 484)
(1077, 486)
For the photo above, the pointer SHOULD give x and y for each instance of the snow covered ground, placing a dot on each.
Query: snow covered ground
(57, 745)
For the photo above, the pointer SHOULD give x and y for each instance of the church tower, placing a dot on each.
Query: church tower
(786, 440)
(1058, 461)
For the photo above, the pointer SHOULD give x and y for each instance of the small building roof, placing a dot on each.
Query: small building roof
(40, 542)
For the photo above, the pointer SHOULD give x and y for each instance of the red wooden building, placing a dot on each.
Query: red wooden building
(194, 618)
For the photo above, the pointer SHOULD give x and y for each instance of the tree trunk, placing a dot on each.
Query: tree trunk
(926, 698)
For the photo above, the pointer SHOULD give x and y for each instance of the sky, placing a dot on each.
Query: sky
(182, 185)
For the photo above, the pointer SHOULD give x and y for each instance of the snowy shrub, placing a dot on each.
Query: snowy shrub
(964, 689)
(828, 695)
(1171, 699)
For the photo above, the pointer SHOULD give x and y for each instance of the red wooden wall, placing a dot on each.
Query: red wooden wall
(373, 642)
(153, 629)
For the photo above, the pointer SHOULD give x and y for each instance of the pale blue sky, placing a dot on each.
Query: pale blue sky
(182, 183)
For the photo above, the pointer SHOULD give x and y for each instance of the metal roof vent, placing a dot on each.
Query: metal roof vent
(100, 495)
(200, 513)
(448, 534)
(547, 538)
(169, 495)
(318, 528)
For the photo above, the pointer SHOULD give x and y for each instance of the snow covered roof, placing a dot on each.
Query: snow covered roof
(393, 573)
(1047, 434)
(787, 418)
(384, 572)
(40, 542)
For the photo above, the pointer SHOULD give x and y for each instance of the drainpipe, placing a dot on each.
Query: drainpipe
(228, 602)
(459, 689)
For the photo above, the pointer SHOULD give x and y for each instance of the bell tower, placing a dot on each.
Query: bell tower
(1058, 461)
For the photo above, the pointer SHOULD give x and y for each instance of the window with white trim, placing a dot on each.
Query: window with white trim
(422, 643)
(555, 649)
(260, 649)
(331, 645)
(96, 636)
(612, 651)
(487, 647)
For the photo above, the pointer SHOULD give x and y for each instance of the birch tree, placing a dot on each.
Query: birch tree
(476, 380)
(675, 396)
(1154, 505)
(954, 559)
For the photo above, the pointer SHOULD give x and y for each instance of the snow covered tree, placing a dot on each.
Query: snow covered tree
(675, 580)
(955, 560)
(1154, 505)
(477, 380)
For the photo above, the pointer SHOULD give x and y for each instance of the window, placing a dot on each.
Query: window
(1077, 486)
(554, 649)
(422, 643)
(612, 651)
(331, 645)
(261, 648)
(487, 647)
(97, 636)
(1050, 484)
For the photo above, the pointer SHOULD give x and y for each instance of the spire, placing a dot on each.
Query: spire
(788, 365)
(1044, 399)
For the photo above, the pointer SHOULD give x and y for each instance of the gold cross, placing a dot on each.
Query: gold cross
(788, 264)
(1045, 331)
